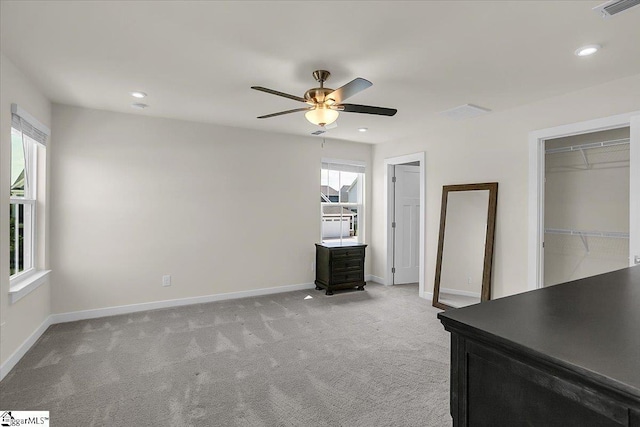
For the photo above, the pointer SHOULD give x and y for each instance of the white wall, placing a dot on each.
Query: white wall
(220, 209)
(492, 148)
(19, 320)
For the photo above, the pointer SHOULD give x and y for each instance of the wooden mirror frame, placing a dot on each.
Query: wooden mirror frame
(485, 293)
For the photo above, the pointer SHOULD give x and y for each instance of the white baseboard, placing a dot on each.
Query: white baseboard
(427, 295)
(459, 292)
(372, 278)
(8, 364)
(133, 308)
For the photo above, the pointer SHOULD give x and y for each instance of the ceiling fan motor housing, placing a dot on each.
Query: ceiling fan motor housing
(321, 76)
(317, 94)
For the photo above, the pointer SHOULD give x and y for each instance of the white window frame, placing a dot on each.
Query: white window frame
(29, 201)
(33, 275)
(359, 205)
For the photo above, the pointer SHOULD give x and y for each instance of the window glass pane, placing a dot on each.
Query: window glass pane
(339, 223)
(329, 185)
(324, 179)
(16, 238)
(337, 186)
(18, 172)
(349, 187)
(20, 237)
(354, 230)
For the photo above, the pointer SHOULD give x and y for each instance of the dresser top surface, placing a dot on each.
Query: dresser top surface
(341, 245)
(590, 326)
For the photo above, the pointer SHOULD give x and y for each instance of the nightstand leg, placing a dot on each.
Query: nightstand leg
(329, 292)
(318, 288)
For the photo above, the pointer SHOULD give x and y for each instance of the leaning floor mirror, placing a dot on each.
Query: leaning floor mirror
(465, 245)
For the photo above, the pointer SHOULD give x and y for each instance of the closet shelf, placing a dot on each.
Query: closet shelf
(583, 234)
(588, 233)
(588, 146)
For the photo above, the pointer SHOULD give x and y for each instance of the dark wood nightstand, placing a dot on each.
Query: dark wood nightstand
(340, 266)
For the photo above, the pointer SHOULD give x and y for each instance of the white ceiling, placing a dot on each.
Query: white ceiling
(197, 60)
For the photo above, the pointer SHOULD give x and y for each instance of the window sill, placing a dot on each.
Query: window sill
(22, 286)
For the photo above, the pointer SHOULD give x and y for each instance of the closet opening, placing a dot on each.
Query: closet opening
(584, 199)
(586, 205)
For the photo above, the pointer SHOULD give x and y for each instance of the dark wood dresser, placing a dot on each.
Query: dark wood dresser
(567, 355)
(339, 266)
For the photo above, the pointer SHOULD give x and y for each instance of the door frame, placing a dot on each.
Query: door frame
(535, 276)
(388, 214)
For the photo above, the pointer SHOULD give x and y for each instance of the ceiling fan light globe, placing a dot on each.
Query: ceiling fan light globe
(321, 116)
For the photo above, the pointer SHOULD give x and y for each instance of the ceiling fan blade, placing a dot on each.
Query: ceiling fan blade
(286, 112)
(354, 86)
(275, 92)
(367, 109)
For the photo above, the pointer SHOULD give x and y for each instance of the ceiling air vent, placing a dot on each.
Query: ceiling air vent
(325, 129)
(465, 111)
(614, 7)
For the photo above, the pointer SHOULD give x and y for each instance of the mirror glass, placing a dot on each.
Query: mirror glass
(466, 226)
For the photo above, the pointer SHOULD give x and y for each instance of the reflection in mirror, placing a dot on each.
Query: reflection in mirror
(465, 247)
(463, 251)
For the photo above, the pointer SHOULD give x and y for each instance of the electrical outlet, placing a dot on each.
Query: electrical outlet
(469, 280)
(166, 280)
(313, 266)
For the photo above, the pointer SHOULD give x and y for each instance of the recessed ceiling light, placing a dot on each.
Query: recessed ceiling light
(362, 129)
(138, 94)
(587, 50)
(139, 105)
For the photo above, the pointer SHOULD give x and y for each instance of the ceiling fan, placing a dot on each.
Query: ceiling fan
(325, 103)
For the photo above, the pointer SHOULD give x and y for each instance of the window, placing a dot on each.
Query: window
(342, 201)
(28, 137)
(23, 201)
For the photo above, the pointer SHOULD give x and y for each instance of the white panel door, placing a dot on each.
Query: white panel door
(407, 219)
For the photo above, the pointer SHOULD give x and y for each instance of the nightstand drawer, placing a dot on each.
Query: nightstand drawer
(346, 265)
(348, 253)
(357, 276)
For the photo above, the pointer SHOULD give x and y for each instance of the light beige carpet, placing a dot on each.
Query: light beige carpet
(373, 358)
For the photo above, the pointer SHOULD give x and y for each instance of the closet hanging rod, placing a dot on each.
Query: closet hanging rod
(587, 146)
(583, 233)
